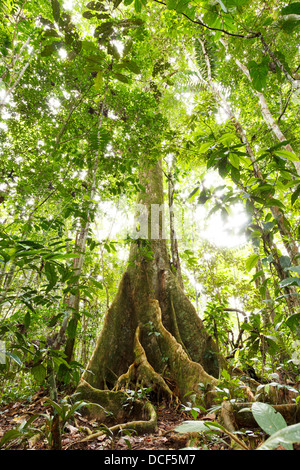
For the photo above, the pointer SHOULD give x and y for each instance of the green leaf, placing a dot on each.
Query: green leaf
(284, 61)
(293, 321)
(127, 47)
(289, 22)
(55, 9)
(137, 6)
(122, 78)
(247, 327)
(96, 283)
(39, 372)
(87, 14)
(295, 269)
(15, 358)
(257, 275)
(95, 5)
(293, 8)
(48, 50)
(104, 30)
(10, 436)
(295, 195)
(51, 274)
(287, 155)
(132, 66)
(267, 417)
(56, 406)
(285, 262)
(117, 3)
(258, 74)
(295, 281)
(98, 81)
(62, 256)
(54, 319)
(205, 146)
(171, 4)
(27, 319)
(194, 426)
(272, 343)
(182, 6)
(76, 407)
(71, 328)
(271, 202)
(285, 437)
(234, 160)
(251, 262)
(112, 50)
(227, 138)
(193, 194)
(204, 196)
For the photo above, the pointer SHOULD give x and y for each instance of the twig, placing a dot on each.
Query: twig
(200, 23)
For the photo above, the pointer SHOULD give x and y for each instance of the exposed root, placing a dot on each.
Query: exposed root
(105, 403)
(178, 372)
(227, 417)
(138, 426)
(176, 329)
(141, 372)
(239, 415)
(290, 412)
(102, 403)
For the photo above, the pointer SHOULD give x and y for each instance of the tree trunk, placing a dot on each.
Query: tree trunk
(173, 238)
(74, 299)
(152, 335)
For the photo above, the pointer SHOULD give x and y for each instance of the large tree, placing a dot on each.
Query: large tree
(152, 335)
(102, 134)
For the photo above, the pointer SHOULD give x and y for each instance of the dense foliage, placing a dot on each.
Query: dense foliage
(86, 91)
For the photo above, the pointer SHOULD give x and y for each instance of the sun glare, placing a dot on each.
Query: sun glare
(225, 234)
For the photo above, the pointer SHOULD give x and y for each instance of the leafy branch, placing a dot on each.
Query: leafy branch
(200, 23)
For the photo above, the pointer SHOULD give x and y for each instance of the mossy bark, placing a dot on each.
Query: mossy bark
(239, 415)
(152, 334)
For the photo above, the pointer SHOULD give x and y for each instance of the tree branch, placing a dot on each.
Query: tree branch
(200, 23)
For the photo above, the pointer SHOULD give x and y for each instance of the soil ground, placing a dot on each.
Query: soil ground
(164, 438)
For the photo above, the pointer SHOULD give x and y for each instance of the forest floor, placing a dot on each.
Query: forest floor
(164, 438)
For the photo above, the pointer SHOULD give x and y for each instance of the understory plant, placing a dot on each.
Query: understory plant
(269, 420)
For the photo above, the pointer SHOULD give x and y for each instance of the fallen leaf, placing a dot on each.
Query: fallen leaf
(210, 416)
(72, 430)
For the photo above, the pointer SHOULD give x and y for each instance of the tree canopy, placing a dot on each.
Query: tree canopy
(95, 95)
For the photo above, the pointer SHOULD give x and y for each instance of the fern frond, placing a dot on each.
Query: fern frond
(188, 82)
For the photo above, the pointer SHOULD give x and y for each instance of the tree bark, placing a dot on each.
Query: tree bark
(173, 238)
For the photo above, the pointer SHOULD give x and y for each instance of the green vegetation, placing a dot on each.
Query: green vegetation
(109, 104)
